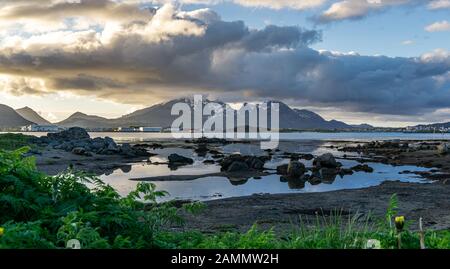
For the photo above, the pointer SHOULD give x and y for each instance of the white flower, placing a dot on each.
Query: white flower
(73, 244)
(373, 244)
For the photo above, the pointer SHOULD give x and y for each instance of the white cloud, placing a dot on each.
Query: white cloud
(438, 26)
(436, 56)
(278, 4)
(439, 4)
(408, 42)
(355, 9)
(272, 4)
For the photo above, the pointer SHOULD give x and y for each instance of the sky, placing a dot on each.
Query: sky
(382, 62)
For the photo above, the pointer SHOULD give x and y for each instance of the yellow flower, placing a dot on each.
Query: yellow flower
(2, 231)
(399, 222)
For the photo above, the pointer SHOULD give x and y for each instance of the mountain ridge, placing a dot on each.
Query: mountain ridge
(32, 116)
(159, 115)
(9, 118)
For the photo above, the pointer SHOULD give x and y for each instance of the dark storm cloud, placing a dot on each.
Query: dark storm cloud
(171, 54)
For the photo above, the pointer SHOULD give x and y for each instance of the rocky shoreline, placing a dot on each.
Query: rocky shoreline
(429, 201)
(76, 149)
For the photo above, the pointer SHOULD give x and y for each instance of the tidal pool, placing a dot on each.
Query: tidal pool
(209, 188)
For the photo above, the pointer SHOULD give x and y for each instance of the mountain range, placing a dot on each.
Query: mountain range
(160, 116)
(32, 116)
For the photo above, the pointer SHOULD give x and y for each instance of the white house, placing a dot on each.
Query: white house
(41, 128)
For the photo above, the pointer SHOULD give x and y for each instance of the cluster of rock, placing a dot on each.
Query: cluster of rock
(239, 163)
(78, 141)
(204, 145)
(176, 160)
(325, 169)
(362, 168)
(398, 146)
(206, 140)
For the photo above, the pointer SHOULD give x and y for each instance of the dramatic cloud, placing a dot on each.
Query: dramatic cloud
(52, 15)
(169, 53)
(438, 27)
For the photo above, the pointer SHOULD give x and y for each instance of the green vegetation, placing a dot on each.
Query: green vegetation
(11, 141)
(40, 211)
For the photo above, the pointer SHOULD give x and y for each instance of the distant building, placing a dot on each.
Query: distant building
(151, 129)
(128, 129)
(40, 128)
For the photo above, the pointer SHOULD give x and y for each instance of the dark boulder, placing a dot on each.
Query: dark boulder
(256, 163)
(252, 162)
(97, 143)
(238, 166)
(326, 160)
(345, 171)
(295, 169)
(127, 150)
(307, 157)
(313, 180)
(74, 133)
(282, 169)
(328, 175)
(202, 150)
(178, 159)
(296, 183)
(362, 168)
(81, 152)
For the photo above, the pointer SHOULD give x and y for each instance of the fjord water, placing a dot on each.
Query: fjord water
(327, 136)
(215, 187)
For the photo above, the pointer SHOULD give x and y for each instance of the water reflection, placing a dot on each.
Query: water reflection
(215, 187)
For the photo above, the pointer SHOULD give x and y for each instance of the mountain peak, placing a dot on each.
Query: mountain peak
(78, 114)
(11, 118)
(31, 115)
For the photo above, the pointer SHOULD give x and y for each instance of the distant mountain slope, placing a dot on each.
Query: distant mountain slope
(160, 116)
(31, 115)
(311, 120)
(155, 116)
(305, 119)
(10, 118)
(79, 119)
(363, 126)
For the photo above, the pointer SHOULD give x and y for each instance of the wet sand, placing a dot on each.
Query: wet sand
(283, 211)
